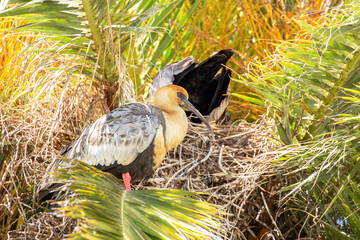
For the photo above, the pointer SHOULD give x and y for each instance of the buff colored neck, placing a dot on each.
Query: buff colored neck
(176, 128)
(168, 102)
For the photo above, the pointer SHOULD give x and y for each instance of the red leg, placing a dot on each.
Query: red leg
(127, 178)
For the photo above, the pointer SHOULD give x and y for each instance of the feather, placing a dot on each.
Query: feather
(207, 83)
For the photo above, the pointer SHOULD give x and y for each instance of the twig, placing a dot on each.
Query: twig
(271, 217)
(220, 158)
(175, 174)
(196, 164)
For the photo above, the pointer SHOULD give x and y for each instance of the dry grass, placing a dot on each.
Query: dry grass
(32, 135)
(42, 111)
(44, 225)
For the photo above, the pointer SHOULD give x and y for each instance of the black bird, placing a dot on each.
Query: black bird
(207, 83)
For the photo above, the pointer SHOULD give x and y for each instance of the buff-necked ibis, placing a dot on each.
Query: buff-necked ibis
(131, 140)
(207, 83)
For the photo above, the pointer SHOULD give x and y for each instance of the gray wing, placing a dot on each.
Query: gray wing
(167, 74)
(117, 137)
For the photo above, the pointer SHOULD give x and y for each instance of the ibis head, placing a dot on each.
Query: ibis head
(173, 100)
(169, 98)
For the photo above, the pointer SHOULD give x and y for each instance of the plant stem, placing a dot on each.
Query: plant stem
(105, 60)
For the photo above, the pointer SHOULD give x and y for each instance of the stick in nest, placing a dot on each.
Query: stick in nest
(193, 166)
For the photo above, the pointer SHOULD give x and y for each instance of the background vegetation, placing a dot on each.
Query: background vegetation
(296, 66)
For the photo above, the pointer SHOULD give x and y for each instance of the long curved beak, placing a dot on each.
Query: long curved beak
(191, 107)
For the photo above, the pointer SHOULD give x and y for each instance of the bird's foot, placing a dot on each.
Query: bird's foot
(127, 178)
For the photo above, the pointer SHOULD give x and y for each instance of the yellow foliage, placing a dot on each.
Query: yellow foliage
(252, 28)
(12, 65)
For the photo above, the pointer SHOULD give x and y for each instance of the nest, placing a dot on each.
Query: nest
(45, 225)
(237, 175)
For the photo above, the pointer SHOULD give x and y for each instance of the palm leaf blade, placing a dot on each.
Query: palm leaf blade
(110, 211)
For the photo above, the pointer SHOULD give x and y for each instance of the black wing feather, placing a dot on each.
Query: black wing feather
(207, 86)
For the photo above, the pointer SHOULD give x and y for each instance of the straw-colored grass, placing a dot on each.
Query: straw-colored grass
(41, 112)
(32, 134)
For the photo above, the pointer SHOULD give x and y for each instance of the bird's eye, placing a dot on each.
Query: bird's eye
(180, 94)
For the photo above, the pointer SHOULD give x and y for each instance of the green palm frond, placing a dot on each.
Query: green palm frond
(305, 93)
(327, 183)
(165, 50)
(311, 89)
(103, 37)
(108, 211)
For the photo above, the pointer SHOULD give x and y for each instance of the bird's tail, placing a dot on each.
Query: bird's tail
(50, 190)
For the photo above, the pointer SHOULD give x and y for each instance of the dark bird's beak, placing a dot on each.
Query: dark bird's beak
(191, 107)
